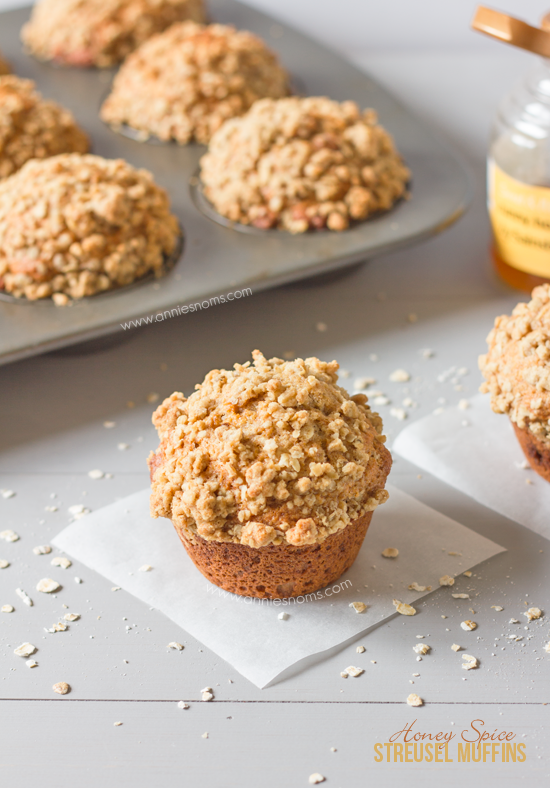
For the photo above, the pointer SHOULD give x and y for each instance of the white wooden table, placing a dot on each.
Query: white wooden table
(52, 412)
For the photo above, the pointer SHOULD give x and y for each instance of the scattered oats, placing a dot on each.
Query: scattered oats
(47, 585)
(533, 613)
(471, 662)
(464, 404)
(398, 413)
(51, 508)
(183, 705)
(456, 647)
(467, 573)
(78, 579)
(152, 397)
(30, 663)
(24, 597)
(25, 650)
(399, 376)
(78, 510)
(321, 326)
(360, 649)
(353, 671)
(71, 616)
(409, 403)
(547, 647)
(7, 493)
(115, 588)
(381, 400)
(177, 646)
(472, 611)
(513, 621)
(419, 659)
(62, 688)
(42, 549)
(452, 552)
(204, 735)
(403, 608)
(96, 474)
(316, 778)
(498, 608)
(468, 625)
(420, 636)
(390, 552)
(359, 607)
(344, 675)
(61, 561)
(59, 627)
(282, 616)
(7, 609)
(116, 724)
(446, 580)
(363, 383)
(443, 616)
(421, 648)
(145, 568)
(123, 446)
(461, 596)
(3, 563)
(416, 587)
(414, 700)
(207, 695)
(9, 535)
(109, 425)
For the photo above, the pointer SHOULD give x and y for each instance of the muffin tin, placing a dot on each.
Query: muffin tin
(217, 258)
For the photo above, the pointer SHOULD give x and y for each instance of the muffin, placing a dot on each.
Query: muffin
(100, 32)
(270, 474)
(33, 128)
(517, 375)
(302, 163)
(184, 83)
(73, 226)
(4, 66)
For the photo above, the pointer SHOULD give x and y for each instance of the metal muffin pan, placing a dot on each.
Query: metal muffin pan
(218, 258)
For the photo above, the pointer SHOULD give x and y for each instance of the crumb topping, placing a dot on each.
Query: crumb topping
(76, 225)
(33, 128)
(517, 366)
(100, 32)
(303, 163)
(269, 453)
(184, 83)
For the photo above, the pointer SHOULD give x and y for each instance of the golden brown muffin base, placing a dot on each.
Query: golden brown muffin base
(277, 571)
(537, 452)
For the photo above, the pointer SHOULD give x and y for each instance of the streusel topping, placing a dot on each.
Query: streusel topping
(100, 32)
(75, 225)
(4, 66)
(302, 163)
(184, 83)
(32, 128)
(517, 366)
(269, 453)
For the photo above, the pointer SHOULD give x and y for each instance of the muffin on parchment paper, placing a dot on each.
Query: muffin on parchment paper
(517, 373)
(32, 127)
(4, 66)
(100, 32)
(303, 163)
(73, 226)
(270, 473)
(184, 83)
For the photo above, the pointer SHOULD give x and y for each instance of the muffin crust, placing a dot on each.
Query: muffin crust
(270, 454)
(100, 32)
(184, 83)
(517, 366)
(33, 128)
(302, 163)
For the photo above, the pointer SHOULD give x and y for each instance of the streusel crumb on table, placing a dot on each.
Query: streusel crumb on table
(72, 226)
(184, 83)
(303, 163)
(33, 128)
(276, 453)
(100, 32)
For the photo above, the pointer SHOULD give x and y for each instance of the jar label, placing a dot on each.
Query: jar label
(520, 215)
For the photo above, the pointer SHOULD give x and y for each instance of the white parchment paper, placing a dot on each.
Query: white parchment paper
(117, 540)
(476, 451)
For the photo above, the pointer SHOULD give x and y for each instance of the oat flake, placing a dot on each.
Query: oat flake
(42, 549)
(421, 648)
(414, 700)
(360, 649)
(359, 607)
(400, 376)
(71, 616)
(416, 587)
(498, 608)
(24, 597)
(7, 609)
(316, 778)
(533, 613)
(62, 688)
(47, 585)
(470, 663)
(353, 671)
(9, 535)
(462, 596)
(61, 561)
(403, 608)
(177, 646)
(446, 580)
(456, 647)
(3, 563)
(468, 625)
(30, 663)
(390, 552)
(25, 650)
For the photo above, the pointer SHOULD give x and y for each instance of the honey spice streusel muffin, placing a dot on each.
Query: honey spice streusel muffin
(100, 32)
(303, 163)
(33, 128)
(184, 83)
(270, 473)
(517, 373)
(72, 226)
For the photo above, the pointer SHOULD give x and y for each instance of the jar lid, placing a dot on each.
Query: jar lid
(513, 31)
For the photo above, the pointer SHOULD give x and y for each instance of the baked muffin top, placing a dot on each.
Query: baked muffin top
(32, 127)
(302, 163)
(184, 83)
(72, 226)
(100, 32)
(4, 66)
(269, 453)
(517, 366)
